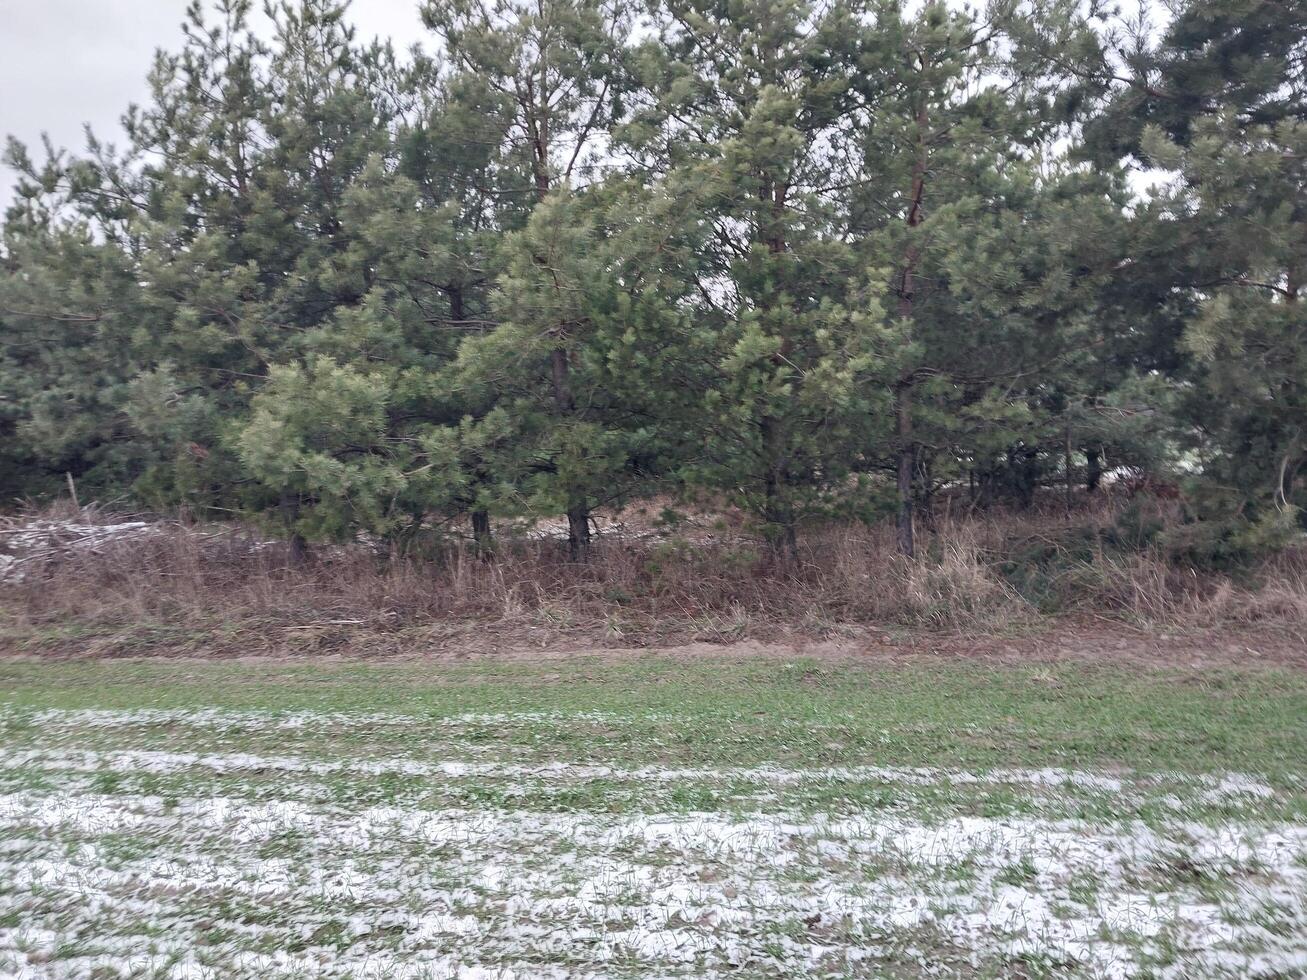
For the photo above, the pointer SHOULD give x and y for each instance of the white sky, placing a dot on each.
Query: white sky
(65, 63)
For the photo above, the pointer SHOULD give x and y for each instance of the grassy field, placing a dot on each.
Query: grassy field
(651, 816)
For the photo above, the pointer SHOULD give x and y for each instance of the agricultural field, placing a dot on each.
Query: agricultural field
(651, 815)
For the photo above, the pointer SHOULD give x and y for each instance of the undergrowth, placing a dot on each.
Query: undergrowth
(220, 588)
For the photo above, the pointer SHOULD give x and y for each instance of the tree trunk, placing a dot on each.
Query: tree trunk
(1021, 479)
(563, 400)
(578, 531)
(925, 495)
(907, 447)
(1094, 469)
(457, 308)
(538, 129)
(782, 535)
(776, 511)
(907, 463)
(1067, 465)
(787, 544)
(297, 550)
(578, 510)
(481, 529)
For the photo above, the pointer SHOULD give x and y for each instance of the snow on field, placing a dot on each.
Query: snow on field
(99, 877)
(1215, 789)
(233, 721)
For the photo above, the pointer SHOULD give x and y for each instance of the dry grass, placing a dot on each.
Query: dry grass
(224, 590)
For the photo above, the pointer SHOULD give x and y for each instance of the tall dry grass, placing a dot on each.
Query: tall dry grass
(226, 590)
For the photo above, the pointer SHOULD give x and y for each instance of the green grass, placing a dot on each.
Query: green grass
(747, 712)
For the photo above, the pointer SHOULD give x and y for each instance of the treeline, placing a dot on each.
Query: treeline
(819, 259)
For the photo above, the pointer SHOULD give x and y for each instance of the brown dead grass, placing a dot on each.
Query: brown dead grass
(221, 591)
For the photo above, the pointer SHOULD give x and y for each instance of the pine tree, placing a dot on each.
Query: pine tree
(819, 258)
(1220, 101)
(996, 273)
(249, 151)
(405, 276)
(555, 70)
(72, 339)
(750, 116)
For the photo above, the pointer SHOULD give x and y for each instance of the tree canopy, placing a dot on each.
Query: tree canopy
(815, 258)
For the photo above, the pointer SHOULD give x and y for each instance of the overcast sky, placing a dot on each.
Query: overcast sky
(65, 63)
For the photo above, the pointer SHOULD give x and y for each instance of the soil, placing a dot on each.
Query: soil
(1099, 643)
(1094, 641)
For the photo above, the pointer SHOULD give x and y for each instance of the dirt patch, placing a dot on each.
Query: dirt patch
(1069, 642)
(1089, 642)
(1118, 644)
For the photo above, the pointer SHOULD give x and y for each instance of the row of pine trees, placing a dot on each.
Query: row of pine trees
(820, 259)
